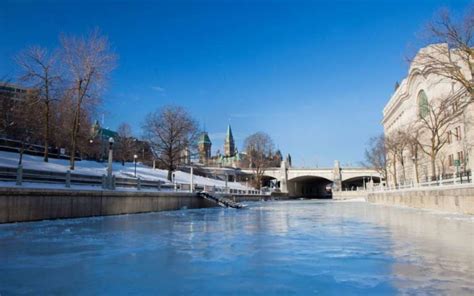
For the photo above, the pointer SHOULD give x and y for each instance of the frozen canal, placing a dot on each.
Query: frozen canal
(298, 247)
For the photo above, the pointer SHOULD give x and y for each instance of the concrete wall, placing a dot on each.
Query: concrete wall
(18, 204)
(341, 195)
(453, 199)
(274, 196)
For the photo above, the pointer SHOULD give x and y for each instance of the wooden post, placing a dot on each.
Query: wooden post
(68, 179)
(112, 182)
(104, 182)
(191, 181)
(19, 175)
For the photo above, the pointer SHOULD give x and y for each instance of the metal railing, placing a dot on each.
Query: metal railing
(456, 181)
(20, 175)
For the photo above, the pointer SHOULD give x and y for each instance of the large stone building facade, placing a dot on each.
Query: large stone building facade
(415, 99)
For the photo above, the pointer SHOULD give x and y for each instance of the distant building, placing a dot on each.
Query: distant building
(14, 92)
(99, 138)
(13, 100)
(231, 156)
(229, 144)
(204, 148)
(408, 105)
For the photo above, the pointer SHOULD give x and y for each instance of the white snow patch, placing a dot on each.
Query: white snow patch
(87, 167)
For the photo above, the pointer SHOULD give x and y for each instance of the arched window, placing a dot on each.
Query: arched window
(423, 107)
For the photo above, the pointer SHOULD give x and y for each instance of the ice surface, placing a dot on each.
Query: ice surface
(271, 248)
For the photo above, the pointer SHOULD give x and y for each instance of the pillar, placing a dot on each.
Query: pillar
(337, 176)
(284, 177)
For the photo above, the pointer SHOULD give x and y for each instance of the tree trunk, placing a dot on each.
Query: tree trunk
(395, 181)
(433, 167)
(20, 161)
(75, 128)
(403, 172)
(417, 177)
(169, 174)
(46, 137)
(73, 143)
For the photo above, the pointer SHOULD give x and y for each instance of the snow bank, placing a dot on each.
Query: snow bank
(86, 167)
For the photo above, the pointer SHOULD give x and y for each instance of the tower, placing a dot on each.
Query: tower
(204, 147)
(229, 145)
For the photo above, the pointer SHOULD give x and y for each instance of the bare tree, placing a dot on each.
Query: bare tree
(125, 142)
(89, 60)
(438, 117)
(392, 147)
(452, 56)
(39, 68)
(170, 131)
(259, 147)
(402, 138)
(376, 155)
(412, 137)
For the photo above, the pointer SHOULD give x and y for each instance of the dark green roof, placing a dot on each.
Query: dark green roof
(204, 139)
(106, 133)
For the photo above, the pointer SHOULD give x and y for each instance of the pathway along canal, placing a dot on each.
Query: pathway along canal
(294, 247)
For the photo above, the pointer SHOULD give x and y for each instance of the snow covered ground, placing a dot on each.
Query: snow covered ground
(86, 167)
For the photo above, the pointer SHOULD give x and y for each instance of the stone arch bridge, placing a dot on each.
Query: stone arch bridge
(315, 182)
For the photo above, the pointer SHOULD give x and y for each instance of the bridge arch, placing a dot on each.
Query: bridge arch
(309, 186)
(359, 182)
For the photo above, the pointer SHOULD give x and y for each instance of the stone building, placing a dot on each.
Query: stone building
(229, 144)
(412, 101)
(204, 148)
(230, 157)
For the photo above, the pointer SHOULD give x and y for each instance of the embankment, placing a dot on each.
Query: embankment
(342, 195)
(21, 204)
(453, 199)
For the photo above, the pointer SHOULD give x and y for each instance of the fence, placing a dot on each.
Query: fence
(20, 175)
(459, 180)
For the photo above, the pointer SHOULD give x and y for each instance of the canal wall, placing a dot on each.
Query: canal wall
(454, 199)
(342, 195)
(22, 204)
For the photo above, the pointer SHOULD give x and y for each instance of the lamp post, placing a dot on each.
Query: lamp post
(111, 149)
(135, 161)
(109, 167)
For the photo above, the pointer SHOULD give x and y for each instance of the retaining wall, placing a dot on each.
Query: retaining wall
(341, 195)
(449, 199)
(19, 204)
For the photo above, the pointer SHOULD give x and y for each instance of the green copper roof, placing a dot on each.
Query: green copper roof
(229, 137)
(204, 139)
(106, 133)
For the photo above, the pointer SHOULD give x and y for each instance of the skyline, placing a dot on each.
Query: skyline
(226, 62)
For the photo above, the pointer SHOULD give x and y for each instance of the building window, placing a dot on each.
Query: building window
(457, 132)
(450, 137)
(451, 160)
(423, 107)
(461, 157)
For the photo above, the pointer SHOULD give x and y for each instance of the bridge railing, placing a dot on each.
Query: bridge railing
(20, 176)
(457, 181)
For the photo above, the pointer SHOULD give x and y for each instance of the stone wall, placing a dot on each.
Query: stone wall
(452, 199)
(19, 204)
(341, 195)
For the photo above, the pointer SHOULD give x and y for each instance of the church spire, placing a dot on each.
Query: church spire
(229, 145)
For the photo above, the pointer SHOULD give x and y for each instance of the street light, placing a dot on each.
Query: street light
(135, 161)
(111, 149)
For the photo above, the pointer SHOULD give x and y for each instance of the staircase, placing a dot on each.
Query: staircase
(221, 201)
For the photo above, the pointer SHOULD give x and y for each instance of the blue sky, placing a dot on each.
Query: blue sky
(315, 75)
